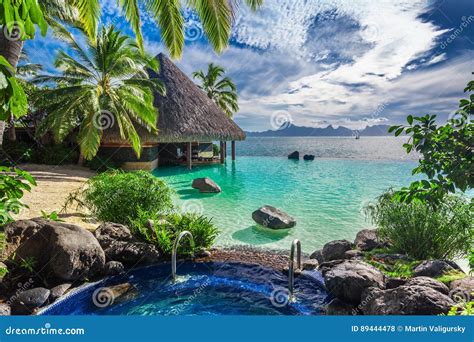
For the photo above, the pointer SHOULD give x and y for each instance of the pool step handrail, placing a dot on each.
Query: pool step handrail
(296, 244)
(175, 250)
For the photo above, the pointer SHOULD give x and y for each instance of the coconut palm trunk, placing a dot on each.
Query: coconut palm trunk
(11, 50)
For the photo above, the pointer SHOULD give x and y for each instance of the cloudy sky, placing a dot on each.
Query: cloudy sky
(318, 62)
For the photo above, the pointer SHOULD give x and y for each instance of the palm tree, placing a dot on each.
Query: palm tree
(105, 87)
(219, 88)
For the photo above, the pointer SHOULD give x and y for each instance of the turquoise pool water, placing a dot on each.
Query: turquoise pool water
(326, 196)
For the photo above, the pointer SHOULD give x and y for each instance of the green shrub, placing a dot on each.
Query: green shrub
(16, 152)
(58, 154)
(166, 229)
(118, 196)
(422, 231)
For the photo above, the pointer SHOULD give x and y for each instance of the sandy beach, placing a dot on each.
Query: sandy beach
(54, 184)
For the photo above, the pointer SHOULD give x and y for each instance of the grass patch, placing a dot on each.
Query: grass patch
(451, 276)
(399, 269)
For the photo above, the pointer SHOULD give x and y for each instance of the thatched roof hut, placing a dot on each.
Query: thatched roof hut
(186, 114)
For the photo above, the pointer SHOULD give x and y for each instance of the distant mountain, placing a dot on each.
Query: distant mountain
(290, 130)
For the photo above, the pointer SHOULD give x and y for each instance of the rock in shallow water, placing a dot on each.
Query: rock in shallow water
(272, 217)
(308, 157)
(294, 155)
(205, 185)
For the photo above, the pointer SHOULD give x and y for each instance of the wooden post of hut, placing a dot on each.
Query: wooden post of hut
(222, 152)
(233, 149)
(189, 155)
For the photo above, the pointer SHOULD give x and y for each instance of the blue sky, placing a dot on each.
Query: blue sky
(341, 62)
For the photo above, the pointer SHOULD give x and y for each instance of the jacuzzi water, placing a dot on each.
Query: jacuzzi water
(215, 288)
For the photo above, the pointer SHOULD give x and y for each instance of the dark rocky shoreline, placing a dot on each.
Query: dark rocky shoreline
(63, 256)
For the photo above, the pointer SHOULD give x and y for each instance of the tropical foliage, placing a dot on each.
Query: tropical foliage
(102, 86)
(13, 101)
(422, 231)
(218, 88)
(216, 18)
(446, 150)
(165, 229)
(117, 196)
(13, 183)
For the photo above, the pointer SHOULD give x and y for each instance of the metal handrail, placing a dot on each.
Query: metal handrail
(175, 250)
(291, 268)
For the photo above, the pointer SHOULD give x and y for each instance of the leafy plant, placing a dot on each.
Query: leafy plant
(471, 261)
(399, 269)
(165, 229)
(447, 154)
(3, 272)
(51, 216)
(102, 86)
(218, 88)
(423, 231)
(118, 196)
(13, 183)
(463, 309)
(28, 263)
(451, 276)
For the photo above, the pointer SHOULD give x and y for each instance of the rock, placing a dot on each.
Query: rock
(113, 268)
(58, 291)
(308, 157)
(202, 253)
(5, 309)
(392, 283)
(367, 240)
(26, 302)
(18, 231)
(294, 155)
(65, 251)
(350, 278)
(272, 217)
(338, 308)
(132, 253)
(205, 185)
(310, 264)
(435, 268)
(327, 265)
(428, 282)
(463, 288)
(317, 255)
(353, 254)
(109, 232)
(406, 300)
(335, 250)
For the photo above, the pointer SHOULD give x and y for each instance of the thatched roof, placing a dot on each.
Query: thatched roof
(185, 113)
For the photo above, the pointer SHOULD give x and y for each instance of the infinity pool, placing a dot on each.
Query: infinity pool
(214, 288)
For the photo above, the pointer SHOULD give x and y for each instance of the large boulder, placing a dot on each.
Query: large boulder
(308, 157)
(350, 278)
(336, 249)
(294, 155)
(64, 251)
(338, 308)
(318, 256)
(108, 233)
(113, 268)
(205, 185)
(132, 253)
(367, 240)
(463, 288)
(435, 268)
(428, 282)
(272, 217)
(406, 300)
(26, 302)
